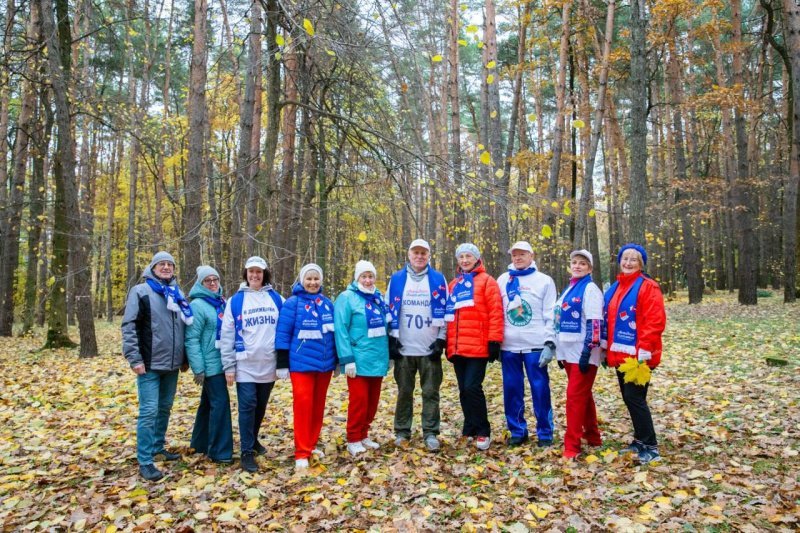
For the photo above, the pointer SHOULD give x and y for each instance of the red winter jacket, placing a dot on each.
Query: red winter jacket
(651, 319)
(469, 334)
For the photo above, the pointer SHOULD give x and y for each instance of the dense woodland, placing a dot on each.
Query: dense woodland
(332, 131)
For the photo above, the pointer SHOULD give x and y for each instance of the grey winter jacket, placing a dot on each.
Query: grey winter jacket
(151, 333)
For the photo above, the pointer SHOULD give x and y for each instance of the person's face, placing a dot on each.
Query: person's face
(467, 261)
(255, 278)
(521, 259)
(418, 257)
(367, 279)
(211, 283)
(580, 266)
(312, 282)
(630, 262)
(164, 270)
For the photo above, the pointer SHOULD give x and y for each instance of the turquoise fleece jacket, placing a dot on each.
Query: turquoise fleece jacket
(370, 354)
(204, 357)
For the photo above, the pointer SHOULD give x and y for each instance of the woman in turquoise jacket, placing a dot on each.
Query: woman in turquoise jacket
(212, 433)
(360, 324)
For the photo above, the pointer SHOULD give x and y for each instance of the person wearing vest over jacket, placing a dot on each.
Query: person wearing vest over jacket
(579, 319)
(307, 352)
(156, 314)
(528, 344)
(360, 321)
(474, 314)
(247, 344)
(634, 322)
(212, 433)
(417, 300)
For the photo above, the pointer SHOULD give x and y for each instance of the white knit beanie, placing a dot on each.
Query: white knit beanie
(364, 266)
(309, 267)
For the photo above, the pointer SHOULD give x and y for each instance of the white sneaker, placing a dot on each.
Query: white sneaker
(355, 448)
(400, 441)
(369, 443)
(432, 443)
(301, 464)
(319, 453)
(483, 443)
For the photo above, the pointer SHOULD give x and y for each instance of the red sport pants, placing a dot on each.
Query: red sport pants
(309, 390)
(581, 414)
(365, 392)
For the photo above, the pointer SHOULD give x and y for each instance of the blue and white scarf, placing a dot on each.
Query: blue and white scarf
(625, 324)
(176, 302)
(568, 316)
(512, 286)
(463, 295)
(375, 313)
(438, 288)
(236, 303)
(316, 317)
(218, 304)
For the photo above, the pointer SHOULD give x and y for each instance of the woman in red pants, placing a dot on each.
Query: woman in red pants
(579, 317)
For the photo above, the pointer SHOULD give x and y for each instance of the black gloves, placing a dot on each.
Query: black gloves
(282, 359)
(583, 363)
(437, 348)
(494, 351)
(394, 348)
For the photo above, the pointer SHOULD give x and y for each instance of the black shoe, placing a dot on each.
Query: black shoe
(518, 441)
(168, 456)
(249, 462)
(259, 449)
(150, 472)
(544, 443)
(221, 461)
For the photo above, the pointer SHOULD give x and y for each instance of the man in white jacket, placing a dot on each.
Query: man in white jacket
(528, 343)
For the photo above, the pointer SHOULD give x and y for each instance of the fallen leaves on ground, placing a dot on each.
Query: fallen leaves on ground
(727, 422)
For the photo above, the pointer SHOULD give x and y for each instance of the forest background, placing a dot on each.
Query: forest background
(332, 131)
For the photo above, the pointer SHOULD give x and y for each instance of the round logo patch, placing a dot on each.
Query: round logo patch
(521, 316)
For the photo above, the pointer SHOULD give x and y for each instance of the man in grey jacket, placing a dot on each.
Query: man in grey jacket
(156, 314)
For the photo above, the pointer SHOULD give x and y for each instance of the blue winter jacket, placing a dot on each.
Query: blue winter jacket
(305, 355)
(370, 354)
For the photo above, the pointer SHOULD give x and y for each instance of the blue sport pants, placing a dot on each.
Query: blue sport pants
(514, 394)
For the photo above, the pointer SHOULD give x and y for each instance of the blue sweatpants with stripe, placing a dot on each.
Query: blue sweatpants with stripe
(514, 394)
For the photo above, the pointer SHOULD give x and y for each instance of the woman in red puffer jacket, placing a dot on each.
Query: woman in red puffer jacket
(474, 333)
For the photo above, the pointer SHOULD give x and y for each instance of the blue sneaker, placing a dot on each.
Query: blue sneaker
(649, 455)
(636, 447)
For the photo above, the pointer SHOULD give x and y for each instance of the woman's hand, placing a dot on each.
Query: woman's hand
(230, 378)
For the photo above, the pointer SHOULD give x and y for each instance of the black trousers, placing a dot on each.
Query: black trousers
(470, 372)
(635, 398)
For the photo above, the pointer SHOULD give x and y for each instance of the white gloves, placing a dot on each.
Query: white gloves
(283, 373)
(350, 370)
(546, 356)
(644, 355)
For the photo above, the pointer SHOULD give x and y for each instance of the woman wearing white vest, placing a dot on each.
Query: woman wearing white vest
(247, 343)
(528, 343)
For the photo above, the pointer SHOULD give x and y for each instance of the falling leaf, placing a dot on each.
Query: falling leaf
(308, 27)
(279, 40)
(547, 231)
(472, 29)
(362, 236)
(578, 124)
(437, 58)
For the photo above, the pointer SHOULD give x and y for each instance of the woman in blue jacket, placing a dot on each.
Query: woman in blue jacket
(306, 347)
(212, 433)
(363, 347)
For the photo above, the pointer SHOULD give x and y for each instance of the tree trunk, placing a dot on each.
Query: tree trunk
(638, 137)
(790, 193)
(460, 220)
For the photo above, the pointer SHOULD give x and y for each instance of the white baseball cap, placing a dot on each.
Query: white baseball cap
(525, 246)
(419, 243)
(585, 253)
(256, 262)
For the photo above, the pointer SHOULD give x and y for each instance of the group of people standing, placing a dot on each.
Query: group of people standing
(256, 337)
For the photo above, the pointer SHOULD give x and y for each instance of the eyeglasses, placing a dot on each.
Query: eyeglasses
(211, 280)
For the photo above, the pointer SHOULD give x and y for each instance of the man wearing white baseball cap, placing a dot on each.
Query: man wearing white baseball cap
(417, 333)
(528, 343)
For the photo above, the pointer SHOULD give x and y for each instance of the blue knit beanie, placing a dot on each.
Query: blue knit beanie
(633, 246)
(469, 248)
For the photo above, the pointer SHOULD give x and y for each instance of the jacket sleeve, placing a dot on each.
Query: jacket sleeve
(548, 305)
(342, 314)
(651, 317)
(193, 340)
(130, 339)
(494, 305)
(227, 337)
(286, 319)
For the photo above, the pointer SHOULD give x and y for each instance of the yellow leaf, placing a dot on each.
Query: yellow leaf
(578, 124)
(462, 42)
(592, 212)
(547, 231)
(480, 147)
(367, 503)
(524, 207)
(531, 189)
(500, 173)
(472, 28)
(279, 40)
(308, 27)
(567, 210)
(591, 459)
(491, 64)
(480, 44)
(681, 494)
(253, 504)
(486, 158)
(362, 236)
(437, 58)
(537, 511)
(554, 204)
(331, 53)
(490, 79)
(278, 55)
(111, 529)
(532, 117)
(341, 481)
(493, 114)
